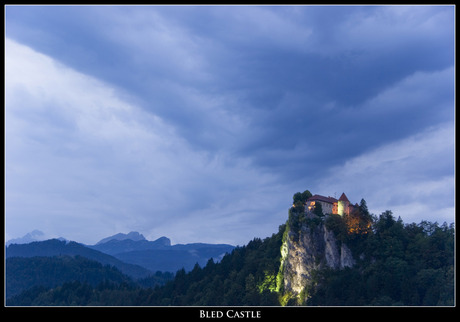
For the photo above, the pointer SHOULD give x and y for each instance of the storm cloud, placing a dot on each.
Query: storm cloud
(200, 122)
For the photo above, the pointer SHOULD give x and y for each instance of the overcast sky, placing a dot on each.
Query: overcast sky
(199, 123)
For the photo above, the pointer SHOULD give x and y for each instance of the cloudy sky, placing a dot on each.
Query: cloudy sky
(199, 123)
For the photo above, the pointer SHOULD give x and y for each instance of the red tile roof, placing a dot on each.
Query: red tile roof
(343, 197)
(322, 198)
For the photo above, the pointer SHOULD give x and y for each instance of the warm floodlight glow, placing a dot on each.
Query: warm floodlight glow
(340, 208)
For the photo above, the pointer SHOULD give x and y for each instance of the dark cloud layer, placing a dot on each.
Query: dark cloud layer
(291, 92)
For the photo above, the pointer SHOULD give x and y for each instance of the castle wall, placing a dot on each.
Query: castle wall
(327, 207)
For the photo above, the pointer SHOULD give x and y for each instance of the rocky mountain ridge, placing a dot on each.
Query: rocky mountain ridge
(133, 235)
(117, 246)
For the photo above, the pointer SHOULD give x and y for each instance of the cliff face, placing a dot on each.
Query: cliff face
(315, 248)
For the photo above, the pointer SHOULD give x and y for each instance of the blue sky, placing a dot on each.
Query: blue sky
(199, 123)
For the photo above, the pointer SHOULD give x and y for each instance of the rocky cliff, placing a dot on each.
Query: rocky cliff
(303, 252)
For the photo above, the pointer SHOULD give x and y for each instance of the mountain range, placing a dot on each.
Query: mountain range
(55, 247)
(131, 253)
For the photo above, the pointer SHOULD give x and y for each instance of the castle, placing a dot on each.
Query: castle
(331, 205)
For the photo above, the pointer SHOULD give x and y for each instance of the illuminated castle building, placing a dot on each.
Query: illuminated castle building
(330, 205)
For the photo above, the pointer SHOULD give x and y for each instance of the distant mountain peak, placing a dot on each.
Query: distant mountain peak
(165, 241)
(35, 235)
(133, 235)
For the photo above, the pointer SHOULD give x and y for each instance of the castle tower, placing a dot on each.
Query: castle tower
(343, 205)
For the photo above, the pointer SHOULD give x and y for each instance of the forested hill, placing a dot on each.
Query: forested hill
(396, 264)
(55, 247)
(27, 272)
